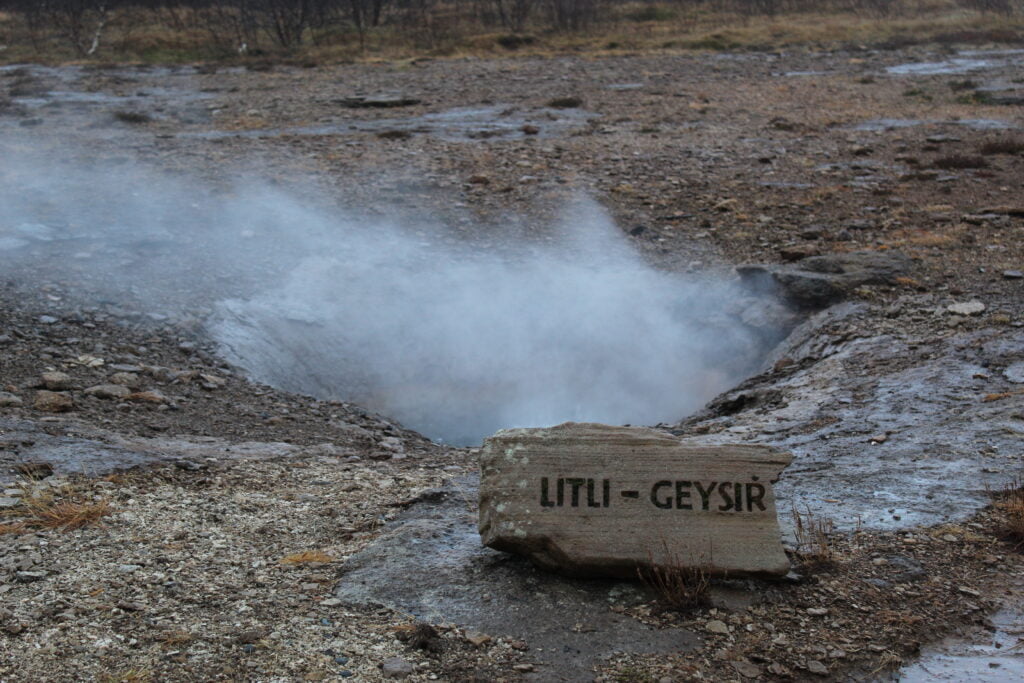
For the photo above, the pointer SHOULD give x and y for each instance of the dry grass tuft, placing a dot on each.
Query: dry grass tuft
(1008, 146)
(48, 510)
(129, 676)
(176, 638)
(1010, 502)
(813, 538)
(307, 557)
(677, 585)
(66, 515)
(133, 117)
(959, 161)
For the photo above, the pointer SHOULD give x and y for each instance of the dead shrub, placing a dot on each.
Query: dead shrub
(1007, 146)
(307, 557)
(813, 538)
(959, 161)
(677, 584)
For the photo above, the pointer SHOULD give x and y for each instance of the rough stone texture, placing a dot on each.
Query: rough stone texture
(596, 500)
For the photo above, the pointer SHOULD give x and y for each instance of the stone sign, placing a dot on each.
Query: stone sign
(597, 500)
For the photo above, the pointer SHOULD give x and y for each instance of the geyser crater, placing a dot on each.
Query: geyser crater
(457, 341)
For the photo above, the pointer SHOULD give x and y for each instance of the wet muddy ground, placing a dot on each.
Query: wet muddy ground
(901, 396)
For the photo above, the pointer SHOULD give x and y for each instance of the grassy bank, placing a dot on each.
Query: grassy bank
(217, 32)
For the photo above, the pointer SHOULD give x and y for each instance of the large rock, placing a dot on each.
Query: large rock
(821, 281)
(596, 500)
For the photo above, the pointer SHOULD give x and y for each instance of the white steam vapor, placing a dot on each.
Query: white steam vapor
(450, 338)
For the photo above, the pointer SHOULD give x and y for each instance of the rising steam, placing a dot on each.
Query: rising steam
(449, 337)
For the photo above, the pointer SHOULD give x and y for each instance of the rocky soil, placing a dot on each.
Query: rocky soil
(235, 511)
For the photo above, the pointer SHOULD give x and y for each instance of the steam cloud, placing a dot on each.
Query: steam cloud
(451, 338)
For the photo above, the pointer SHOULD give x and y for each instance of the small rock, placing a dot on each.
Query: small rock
(967, 308)
(29, 577)
(1013, 274)
(1015, 373)
(128, 379)
(108, 391)
(7, 502)
(478, 639)
(147, 397)
(817, 611)
(816, 667)
(797, 251)
(949, 538)
(53, 402)
(382, 101)
(396, 667)
(529, 129)
(969, 591)
(130, 369)
(716, 626)
(47, 319)
(746, 668)
(8, 400)
(56, 381)
(254, 635)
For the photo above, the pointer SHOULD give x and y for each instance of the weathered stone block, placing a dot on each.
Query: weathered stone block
(597, 500)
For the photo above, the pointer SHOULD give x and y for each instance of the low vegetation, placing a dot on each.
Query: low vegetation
(677, 585)
(959, 161)
(1010, 502)
(65, 510)
(313, 32)
(814, 546)
(1007, 146)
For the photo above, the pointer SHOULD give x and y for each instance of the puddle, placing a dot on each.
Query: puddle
(967, 61)
(454, 125)
(991, 654)
(429, 563)
(881, 125)
(949, 66)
